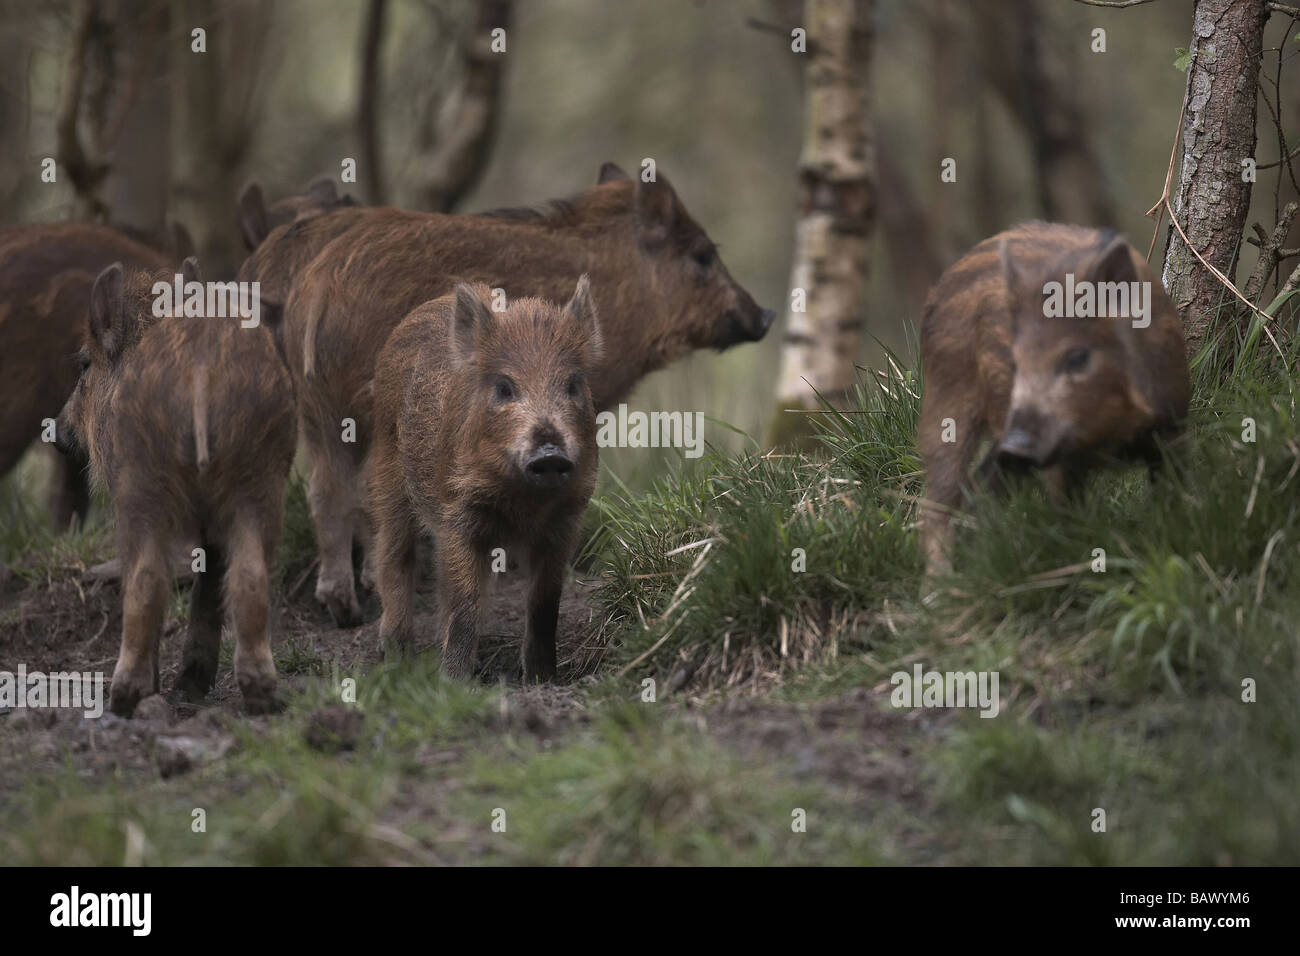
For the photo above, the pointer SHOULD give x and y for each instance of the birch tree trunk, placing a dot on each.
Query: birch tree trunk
(1212, 199)
(837, 209)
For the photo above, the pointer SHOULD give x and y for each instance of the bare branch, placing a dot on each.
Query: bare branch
(1269, 253)
(1118, 4)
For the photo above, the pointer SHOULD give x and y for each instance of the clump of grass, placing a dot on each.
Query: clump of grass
(30, 546)
(747, 566)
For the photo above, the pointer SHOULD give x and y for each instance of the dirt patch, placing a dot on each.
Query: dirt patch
(73, 623)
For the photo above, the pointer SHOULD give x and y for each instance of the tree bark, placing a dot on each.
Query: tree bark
(837, 212)
(458, 155)
(1212, 200)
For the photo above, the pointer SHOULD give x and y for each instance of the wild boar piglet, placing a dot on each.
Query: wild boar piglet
(1058, 344)
(485, 436)
(189, 426)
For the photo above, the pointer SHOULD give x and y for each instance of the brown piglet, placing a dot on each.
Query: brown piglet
(486, 437)
(189, 426)
(1057, 343)
(656, 278)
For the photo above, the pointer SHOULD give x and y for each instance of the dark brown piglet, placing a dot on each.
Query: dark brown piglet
(46, 272)
(189, 426)
(1058, 344)
(486, 437)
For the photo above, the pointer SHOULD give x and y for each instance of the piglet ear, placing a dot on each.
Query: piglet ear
(609, 173)
(110, 320)
(1114, 263)
(470, 319)
(583, 311)
(190, 270)
(252, 216)
(1013, 279)
(323, 192)
(180, 240)
(656, 209)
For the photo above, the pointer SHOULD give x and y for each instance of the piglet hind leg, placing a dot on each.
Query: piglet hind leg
(333, 515)
(396, 537)
(203, 635)
(248, 597)
(144, 601)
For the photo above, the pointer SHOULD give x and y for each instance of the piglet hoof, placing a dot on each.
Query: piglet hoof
(195, 682)
(261, 697)
(127, 693)
(367, 575)
(343, 608)
(539, 671)
(397, 647)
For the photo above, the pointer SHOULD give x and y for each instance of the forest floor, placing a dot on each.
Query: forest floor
(728, 646)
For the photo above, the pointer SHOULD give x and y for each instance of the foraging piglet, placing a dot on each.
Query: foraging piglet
(1058, 343)
(485, 436)
(189, 426)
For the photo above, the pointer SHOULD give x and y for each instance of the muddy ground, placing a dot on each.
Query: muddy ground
(72, 622)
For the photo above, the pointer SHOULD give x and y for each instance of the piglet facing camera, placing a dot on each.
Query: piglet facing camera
(486, 436)
(1059, 345)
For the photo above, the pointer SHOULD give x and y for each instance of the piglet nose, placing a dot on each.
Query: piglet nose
(548, 467)
(766, 319)
(1018, 443)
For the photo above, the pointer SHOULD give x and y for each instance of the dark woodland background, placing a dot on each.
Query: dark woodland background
(1040, 126)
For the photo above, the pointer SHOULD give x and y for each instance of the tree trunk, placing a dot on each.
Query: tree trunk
(214, 112)
(1035, 83)
(463, 140)
(1212, 200)
(837, 210)
(368, 105)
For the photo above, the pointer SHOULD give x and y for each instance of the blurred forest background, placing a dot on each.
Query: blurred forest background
(1039, 124)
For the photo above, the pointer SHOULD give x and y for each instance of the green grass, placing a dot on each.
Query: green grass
(1122, 691)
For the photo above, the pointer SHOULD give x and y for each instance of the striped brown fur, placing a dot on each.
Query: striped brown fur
(1060, 394)
(189, 426)
(660, 290)
(486, 437)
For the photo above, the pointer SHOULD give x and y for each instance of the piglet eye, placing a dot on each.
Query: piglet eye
(575, 383)
(704, 257)
(503, 390)
(1075, 360)
(83, 361)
